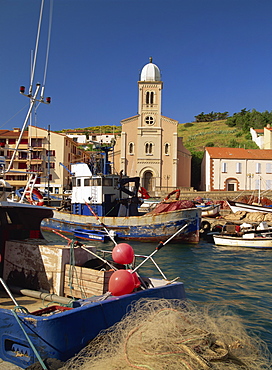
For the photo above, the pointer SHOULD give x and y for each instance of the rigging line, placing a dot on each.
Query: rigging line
(14, 116)
(36, 47)
(48, 41)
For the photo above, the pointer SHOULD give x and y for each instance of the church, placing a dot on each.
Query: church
(149, 146)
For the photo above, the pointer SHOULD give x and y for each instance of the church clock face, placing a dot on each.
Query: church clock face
(149, 120)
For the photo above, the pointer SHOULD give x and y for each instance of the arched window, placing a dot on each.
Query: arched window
(146, 148)
(166, 149)
(149, 98)
(149, 148)
(131, 148)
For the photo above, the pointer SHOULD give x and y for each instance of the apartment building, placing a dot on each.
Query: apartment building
(44, 152)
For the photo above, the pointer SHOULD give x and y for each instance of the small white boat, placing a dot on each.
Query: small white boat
(247, 236)
(247, 240)
(209, 210)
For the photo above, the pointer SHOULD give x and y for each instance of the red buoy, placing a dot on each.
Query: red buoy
(123, 253)
(121, 282)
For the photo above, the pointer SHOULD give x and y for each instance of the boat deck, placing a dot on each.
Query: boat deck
(31, 304)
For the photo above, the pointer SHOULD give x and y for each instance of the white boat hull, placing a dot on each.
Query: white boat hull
(233, 241)
(239, 206)
(210, 211)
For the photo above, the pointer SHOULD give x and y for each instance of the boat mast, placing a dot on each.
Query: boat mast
(48, 167)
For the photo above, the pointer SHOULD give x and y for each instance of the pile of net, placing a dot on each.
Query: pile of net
(164, 334)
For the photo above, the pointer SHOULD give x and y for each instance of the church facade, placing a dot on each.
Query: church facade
(149, 146)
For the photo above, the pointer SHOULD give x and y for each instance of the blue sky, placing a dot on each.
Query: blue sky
(214, 55)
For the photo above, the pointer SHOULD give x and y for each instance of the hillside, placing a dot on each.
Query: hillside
(197, 135)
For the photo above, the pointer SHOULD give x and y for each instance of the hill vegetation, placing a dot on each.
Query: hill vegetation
(232, 132)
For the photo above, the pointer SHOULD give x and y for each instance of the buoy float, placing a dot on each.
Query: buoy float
(123, 253)
(121, 282)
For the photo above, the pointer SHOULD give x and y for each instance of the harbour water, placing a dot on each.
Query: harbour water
(237, 278)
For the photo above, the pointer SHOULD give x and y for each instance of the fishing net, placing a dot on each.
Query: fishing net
(163, 334)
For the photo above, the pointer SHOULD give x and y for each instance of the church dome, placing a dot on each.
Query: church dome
(150, 72)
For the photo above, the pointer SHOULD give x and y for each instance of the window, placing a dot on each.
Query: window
(78, 182)
(238, 167)
(24, 141)
(51, 165)
(149, 120)
(107, 181)
(224, 167)
(36, 155)
(149, 98)
(268, 184)
(36, 143)
(86, 182)
(12, 141)
(22, 166)
(230, 187)
(97, 182)
(131, 148)
(22, 155)
(50, 153)
(148, 148)
(258, 167)
(166, 149)
(268, 167)
(257, 184)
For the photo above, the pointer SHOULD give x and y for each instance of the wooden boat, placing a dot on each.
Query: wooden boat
(86, 234)
(112, 204)
(209, 210)
(245, 235)
(81, 304)
(240, 206)
(247, 241)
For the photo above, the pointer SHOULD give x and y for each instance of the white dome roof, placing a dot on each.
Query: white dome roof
(150, 72)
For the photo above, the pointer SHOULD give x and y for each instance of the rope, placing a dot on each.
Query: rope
(72, 269)
(36, 46)
(29, 340)
(48, 41)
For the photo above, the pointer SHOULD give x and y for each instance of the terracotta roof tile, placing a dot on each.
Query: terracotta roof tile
(239, 153)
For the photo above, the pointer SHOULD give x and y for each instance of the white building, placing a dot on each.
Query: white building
(234, 169)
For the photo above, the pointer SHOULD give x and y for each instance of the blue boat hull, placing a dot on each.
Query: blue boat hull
(147, 228)
(90, 235)
(62, 335)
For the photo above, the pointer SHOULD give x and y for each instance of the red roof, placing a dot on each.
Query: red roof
(239, 153)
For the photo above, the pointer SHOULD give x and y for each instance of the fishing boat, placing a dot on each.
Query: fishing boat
(101, 199)
(240, 206)
(82, 300)
(99, 235)
(245, 235)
